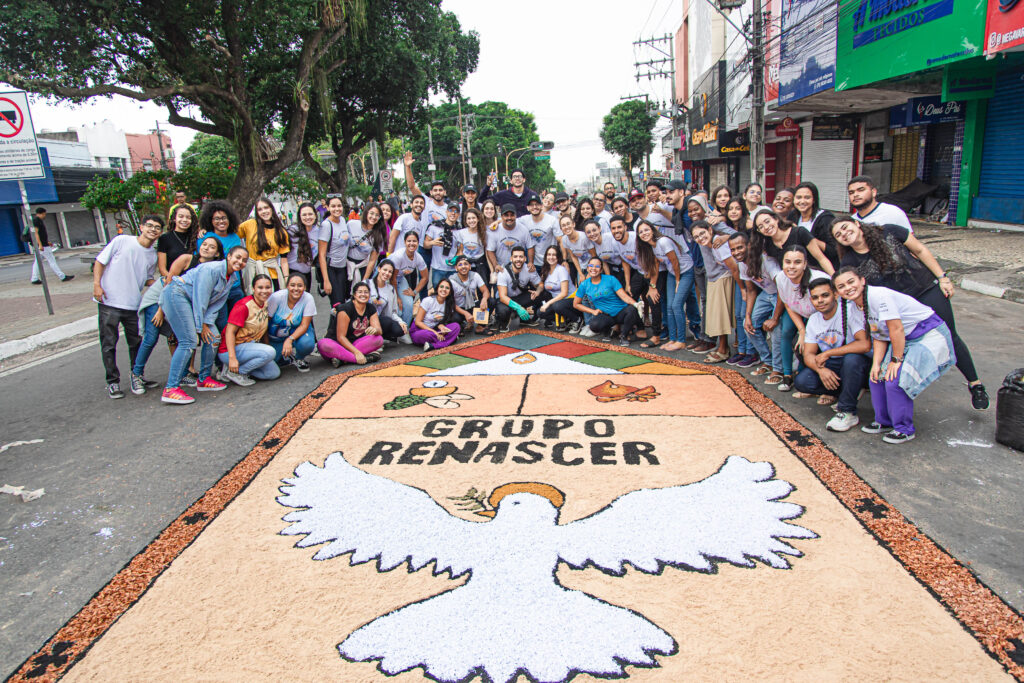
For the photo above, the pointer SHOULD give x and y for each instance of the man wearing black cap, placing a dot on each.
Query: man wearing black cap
(543, 229)
(468, 201)
(561, 205)
(440, 239)
(501, 241)
(517, 195)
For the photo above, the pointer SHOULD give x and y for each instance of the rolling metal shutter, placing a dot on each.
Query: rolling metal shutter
(829, 165)
(939, 154)
(905, 150)
(1000, 192)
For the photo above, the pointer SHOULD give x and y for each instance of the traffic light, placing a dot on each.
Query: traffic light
(535, 146)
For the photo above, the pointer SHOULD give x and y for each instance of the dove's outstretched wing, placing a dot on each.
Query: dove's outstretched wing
(735, 515)
(371, 517)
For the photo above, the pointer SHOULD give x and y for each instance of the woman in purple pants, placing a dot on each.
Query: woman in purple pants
(353, 335)
(436, 324)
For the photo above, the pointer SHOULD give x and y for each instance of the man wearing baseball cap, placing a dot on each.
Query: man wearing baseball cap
(543, 229)
(518, 194)
(561, 205)
(469, 201)
(500, 242)
(440, 239)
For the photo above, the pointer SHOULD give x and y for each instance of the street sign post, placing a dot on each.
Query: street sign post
(386, 177)
(541, 157)
(20, 160)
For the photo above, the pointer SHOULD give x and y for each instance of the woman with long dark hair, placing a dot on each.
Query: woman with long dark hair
(584, 212)
(736, 216)
(437, 324)
(179, 239)
(267, 241)
(384, 298)
(367, 237)
(290, 329)
(752, 194)
(720, 198)
(332, 251)
(555, 297)
(772, 234)
(818, 221)
(890, 256)
(576, 248)
(354, 333)
(793, 284)
(906, 335)
(670, 270)
(471, 242)
(303, 237)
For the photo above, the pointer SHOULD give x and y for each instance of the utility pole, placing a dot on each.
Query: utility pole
(374, 159)
(669, 72)
(757, 107)
(160, 141)
(469, 147)
(430, 142)
(462, 142)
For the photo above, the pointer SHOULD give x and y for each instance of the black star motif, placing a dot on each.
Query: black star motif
(798, 437)
(195, 518)
(1017, 654)
(876, 510)
(55, 657)
(270, 443)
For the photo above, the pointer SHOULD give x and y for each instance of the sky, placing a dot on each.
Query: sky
(566, 62)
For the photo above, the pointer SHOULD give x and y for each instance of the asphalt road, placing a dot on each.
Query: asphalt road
(117, 472)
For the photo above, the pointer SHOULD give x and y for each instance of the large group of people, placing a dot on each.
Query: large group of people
(802, 300)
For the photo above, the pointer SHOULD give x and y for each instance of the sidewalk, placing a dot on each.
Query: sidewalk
(989, 262)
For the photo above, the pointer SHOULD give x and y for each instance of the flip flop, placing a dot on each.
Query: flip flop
(651, 344)
(827, 400)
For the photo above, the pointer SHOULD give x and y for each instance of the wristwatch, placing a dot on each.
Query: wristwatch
(896, 359)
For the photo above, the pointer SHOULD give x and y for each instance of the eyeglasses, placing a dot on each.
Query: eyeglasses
(219, 219)
(334, 196)
(153, 226)
(593, 265)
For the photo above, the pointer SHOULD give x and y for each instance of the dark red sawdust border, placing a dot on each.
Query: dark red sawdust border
(996, 625)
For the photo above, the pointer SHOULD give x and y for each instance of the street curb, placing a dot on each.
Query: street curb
(60, 333)
(995, 291)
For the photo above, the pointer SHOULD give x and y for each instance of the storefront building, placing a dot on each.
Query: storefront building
(705, 126)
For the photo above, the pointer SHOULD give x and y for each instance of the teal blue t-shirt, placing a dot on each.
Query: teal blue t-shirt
(602, 295)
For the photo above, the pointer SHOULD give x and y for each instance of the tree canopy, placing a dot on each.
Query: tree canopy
(497, 129)
(244, 71)
(408, 50)
(627, 133)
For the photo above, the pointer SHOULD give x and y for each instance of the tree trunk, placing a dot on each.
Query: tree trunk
(339, 179)
(248, 187)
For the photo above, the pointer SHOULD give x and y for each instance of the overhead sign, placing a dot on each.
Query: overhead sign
(787, 129)
(1004, 28)
(834, 128)
(386, 177)
(882, 39)
(921, 111)
(969, 80)
(808, 48)
(19, 153)
(734, 143)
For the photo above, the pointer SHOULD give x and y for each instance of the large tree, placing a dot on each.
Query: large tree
(408, 50)
(627, 134)
(242, 70)
(495, 130)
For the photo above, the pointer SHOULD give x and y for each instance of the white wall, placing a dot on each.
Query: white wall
(105, 141)
(64, 153)
(707, 41)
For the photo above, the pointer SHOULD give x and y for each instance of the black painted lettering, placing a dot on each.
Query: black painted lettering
(414, 449)
(384, 450)
(602, 453)
(632, 451)
(552, 427)
(558, 457)
(442, 427)
(535, 456)
(471, 428)
(607, 428)
(446, 449)
(524, 429)
(496, 451)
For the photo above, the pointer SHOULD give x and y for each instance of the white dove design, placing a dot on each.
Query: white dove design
(535, 626)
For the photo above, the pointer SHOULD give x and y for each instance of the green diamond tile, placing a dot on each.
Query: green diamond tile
(526, 342)
(610, 359)
(443, 362)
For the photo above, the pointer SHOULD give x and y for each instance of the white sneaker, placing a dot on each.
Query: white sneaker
(238, 378)
(585, 331)
(405, 339)
(842, 422)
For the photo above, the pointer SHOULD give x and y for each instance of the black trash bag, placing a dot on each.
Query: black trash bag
(1010, 411)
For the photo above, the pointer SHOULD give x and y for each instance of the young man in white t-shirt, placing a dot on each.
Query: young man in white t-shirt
(836, 352)
(514, 290)
(868, 209)
(122, 269)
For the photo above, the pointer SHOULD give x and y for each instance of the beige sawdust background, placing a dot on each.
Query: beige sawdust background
(242, 603)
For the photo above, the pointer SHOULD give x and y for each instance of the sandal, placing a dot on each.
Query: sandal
(774, 378)
(800, 394)
(715, 357)
(761, 370)
(652, 343)
(827, 400)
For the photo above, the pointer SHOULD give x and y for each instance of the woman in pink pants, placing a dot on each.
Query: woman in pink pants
(436, 324)
(353, 335)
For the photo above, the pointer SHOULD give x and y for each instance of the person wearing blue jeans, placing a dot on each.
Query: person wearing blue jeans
(836, 355)
(290, 313)
(255, 360)
(244, 350)
(190, 304)
(766, 308)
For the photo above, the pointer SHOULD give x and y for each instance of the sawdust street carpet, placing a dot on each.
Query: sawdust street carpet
(538, 508)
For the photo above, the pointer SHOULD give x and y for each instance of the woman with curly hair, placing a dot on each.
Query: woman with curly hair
(771, 236)
(267, 241)
(890, 256)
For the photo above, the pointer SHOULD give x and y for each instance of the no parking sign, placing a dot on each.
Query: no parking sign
(19, 153)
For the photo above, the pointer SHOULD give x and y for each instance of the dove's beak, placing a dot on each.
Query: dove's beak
(485, 513)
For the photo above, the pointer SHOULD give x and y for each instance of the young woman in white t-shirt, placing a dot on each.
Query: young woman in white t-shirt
(576, 248)
(436, 324)
(905, 334)
(792, 283)
(722, 276)
(555, 297)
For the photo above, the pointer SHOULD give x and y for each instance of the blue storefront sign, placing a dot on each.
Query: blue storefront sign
(808, 49)
(920, 14)
(921, 111)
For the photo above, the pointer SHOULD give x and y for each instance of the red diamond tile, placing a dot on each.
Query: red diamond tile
(567, 349)
(484, 351)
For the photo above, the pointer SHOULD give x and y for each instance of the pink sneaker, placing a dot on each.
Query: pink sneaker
(210, 384)
(176, 395)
